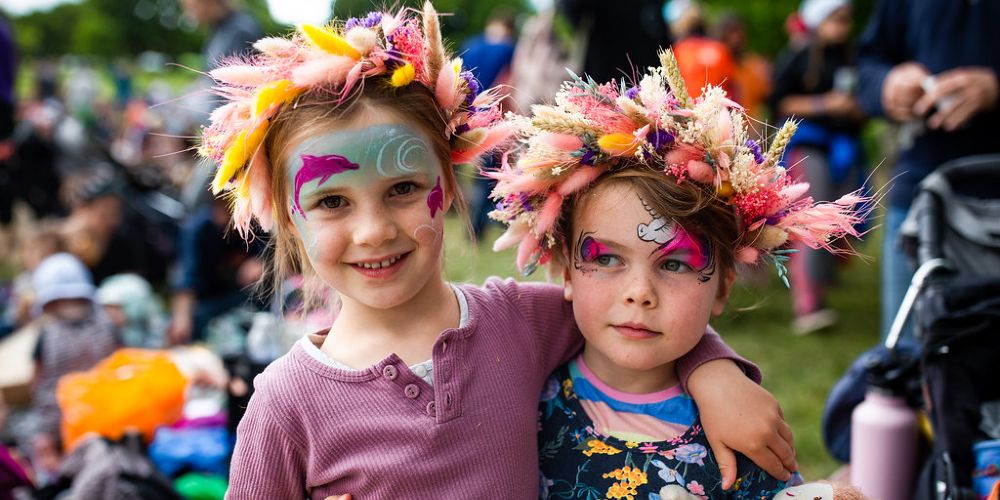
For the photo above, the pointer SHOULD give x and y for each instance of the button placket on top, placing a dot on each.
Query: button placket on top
(408, 386)
(447, 354)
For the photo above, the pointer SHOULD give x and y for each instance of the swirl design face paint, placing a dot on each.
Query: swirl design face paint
(673, 240)
(357, 157)
(588, 250)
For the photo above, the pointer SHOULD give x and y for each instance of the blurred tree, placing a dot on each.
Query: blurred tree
(111, 28)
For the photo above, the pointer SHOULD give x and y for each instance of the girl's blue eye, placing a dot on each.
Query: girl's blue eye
(675, 266)
(403, 188)
(332, 202)
(606, 259)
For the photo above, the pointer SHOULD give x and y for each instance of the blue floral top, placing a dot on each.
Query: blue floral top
(580, 463)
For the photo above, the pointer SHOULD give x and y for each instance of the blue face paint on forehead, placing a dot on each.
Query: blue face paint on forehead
(359, 156)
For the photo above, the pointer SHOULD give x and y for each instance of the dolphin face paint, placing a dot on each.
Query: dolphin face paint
(357, 157)
(673, 241)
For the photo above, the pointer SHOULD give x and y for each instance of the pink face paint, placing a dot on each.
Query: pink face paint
(321, 167)
(591, 249)
(692, 252)
(435, 199)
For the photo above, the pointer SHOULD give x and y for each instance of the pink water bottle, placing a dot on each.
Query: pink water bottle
(884, 440)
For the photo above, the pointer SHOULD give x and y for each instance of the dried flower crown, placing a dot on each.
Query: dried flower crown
(592, 128)
(402, 49)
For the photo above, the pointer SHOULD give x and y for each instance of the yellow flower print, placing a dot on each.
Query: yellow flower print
(629, 478)
(631, 444)
(567, 387)
(596, 446)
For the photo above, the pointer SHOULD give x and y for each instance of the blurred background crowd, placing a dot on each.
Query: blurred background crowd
(110, 239)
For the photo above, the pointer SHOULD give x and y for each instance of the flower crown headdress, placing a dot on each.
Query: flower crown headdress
(402, 49)
(593, 128)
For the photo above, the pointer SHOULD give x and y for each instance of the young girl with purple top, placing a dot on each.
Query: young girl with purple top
(644, 200)
(339, 141)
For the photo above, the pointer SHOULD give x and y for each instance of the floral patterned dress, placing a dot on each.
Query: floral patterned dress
(579, 462)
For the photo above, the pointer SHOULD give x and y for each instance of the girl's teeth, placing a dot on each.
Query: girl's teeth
(379, 265)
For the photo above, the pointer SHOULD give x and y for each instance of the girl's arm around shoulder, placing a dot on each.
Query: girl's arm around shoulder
(268, 460)
(547, 315)
(736, 412)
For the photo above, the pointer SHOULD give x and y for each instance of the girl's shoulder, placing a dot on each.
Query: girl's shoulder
(496, 288)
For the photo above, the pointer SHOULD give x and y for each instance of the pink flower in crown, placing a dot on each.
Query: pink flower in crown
(408, 41)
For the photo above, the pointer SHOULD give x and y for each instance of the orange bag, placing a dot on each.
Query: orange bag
(131, 389)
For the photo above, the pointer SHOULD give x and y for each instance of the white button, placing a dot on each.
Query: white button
(420, 370)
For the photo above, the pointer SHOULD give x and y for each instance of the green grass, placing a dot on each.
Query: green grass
(799, 371)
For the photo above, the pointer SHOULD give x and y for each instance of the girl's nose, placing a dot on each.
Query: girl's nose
(374, 227)
(639, 291)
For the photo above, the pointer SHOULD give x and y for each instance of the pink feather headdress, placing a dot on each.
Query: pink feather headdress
(402, 49)
(593, 128)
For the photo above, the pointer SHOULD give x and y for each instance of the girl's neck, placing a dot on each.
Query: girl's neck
(629, 380)
(361, 335)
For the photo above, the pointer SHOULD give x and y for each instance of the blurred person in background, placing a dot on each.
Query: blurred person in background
(934, 66)
(75, 336)
(815, 84)
(8, 73)
(42, 239)
(34, 177)
(489, 56)
(96, 230)
(629, 37)
(752, 80)
(231, 32)
(136, 311)
(702, 60)
(215, 271)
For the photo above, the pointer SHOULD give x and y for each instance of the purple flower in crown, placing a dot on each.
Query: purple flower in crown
(369, 21)
(758, 156)
(525, 202)
(587, 158)
(393, 59)
(472, 84)
(632, 92)
(659, 138)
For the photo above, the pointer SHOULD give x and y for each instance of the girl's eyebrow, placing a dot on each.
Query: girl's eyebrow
(606, 242)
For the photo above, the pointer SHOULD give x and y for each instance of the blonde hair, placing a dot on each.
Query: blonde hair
(316, 112)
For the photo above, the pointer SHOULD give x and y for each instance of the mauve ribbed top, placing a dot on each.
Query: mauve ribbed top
(313, 430)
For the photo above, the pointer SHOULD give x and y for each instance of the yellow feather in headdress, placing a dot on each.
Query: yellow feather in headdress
(329, 41)
(403, 75)
(274, 94)
(618, 144)
(237, 154)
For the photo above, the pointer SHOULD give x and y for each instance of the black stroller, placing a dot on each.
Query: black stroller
(954, 229)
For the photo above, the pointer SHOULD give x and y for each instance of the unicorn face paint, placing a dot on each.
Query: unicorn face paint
(362, 200)
(639, 310)
(677, 245)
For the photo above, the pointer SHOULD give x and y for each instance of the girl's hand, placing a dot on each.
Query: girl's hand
(740, 415)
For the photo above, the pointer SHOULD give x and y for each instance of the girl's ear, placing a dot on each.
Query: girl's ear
(567, 284)
(722, 296)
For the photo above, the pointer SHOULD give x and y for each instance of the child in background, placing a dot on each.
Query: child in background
(644, 200)
(340, 142)
(75, 336)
